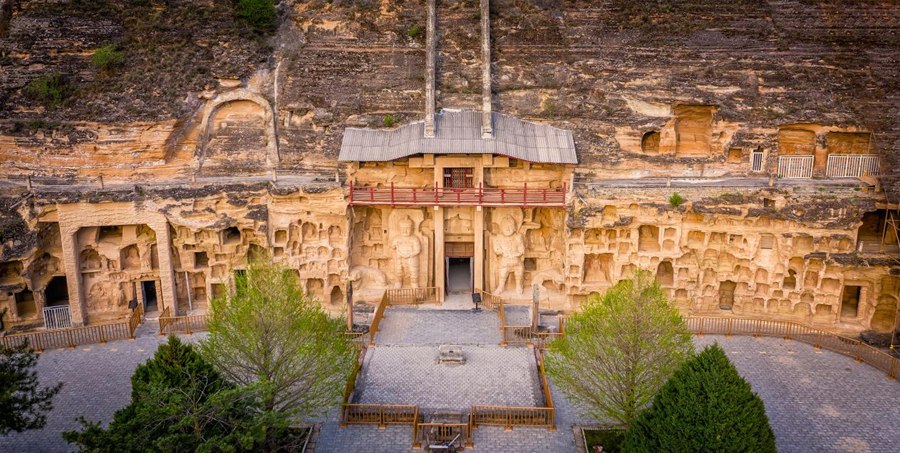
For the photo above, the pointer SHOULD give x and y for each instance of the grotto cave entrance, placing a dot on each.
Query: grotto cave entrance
(459, 275)
(459, 267)
(148, 288)
(57, 292)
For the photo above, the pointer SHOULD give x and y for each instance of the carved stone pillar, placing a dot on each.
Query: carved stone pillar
(77, 310)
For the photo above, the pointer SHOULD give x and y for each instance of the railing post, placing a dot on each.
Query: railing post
(372, 194)
(69, 338)
(728, 326)
(414, 191)
(502, 196)
(435, 193)
(525, 194)
(102, 336)
(480, 193)
(351, 192)
(392, 193)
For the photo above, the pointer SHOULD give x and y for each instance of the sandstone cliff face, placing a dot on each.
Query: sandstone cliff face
(714, 80)
(181, 146)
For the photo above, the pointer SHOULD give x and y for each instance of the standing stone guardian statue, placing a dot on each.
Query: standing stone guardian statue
(407, 247)
(509, 246)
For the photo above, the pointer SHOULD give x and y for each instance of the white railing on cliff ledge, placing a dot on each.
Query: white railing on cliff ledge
(852, 165)
(795, 167)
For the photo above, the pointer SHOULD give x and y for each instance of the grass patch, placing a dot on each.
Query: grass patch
(609, 439)
(259, 14)
(49, 89)
(107, 57)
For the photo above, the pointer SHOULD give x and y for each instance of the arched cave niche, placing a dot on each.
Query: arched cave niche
(337, 296)
(726, 294)
(231, 236)
(90, 260)
(315, 288)
(790, 281)
(665, 274)
(650, 142)
(130, 257)
(648, 238)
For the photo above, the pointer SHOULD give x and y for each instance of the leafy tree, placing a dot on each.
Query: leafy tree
(705, 406)
(180, 403)
(259, 14)
(269, 333)
(23, 404)
(620, 349)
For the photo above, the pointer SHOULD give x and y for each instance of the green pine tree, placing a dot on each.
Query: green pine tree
(23, 404)
(180, 403)
(705, 406)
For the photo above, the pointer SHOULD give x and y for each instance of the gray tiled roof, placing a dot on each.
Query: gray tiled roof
(459, 132)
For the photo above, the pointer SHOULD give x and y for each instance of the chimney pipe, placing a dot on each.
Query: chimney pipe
(430, 36)
(487, 130)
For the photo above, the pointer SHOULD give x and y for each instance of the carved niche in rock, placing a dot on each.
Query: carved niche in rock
(106, 296)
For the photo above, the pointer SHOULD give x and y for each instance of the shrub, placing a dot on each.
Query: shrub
(676, 200)
(107, 57)
(388, 121)
(259, 14)
(705, 406)
(414, 32)
(50, 89)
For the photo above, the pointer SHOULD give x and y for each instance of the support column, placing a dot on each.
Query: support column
(430, 55)
(479, 248)
(77, 310)
(439, 249)
(167, 297)
(487, 130)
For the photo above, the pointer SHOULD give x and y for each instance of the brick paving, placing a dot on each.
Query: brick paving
(816, 400)
(96, 382)
(415, 327)
(408, 374)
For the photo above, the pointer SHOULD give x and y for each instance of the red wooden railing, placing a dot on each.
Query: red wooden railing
(469, 196)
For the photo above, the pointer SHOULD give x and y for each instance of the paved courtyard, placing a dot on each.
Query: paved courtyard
(408, 374)
(817, 400)
(417, 327)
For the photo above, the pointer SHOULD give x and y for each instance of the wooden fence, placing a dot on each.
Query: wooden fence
(72, 337)
(183, 324)
(510, 416)
(414, 296)
(860, 351)
(490, 301)
(795, 167)
(377, 317)
(425, 434)
(379, 414)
